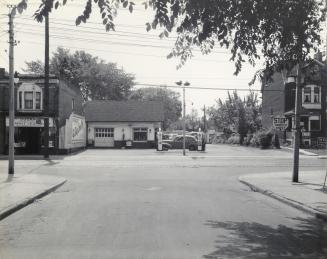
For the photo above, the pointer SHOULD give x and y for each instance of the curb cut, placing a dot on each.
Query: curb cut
(292, 203)
(28, 201)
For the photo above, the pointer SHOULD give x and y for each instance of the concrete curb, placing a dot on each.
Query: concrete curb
(292, 203)
(301, 151)
(7, 212)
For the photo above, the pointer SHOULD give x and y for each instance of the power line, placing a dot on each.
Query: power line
(114, 52)
(209, 88)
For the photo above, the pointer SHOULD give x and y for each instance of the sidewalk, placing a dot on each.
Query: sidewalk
(18, 192)
(307, 195)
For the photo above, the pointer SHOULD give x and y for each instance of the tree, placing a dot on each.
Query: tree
(235, 114)
(170, 99)
(283, 32)
(96, 79)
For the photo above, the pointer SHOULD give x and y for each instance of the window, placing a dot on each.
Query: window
(29, 97)
(20, 101)
(104, 132)
(140, 134)
(314, 123)
(316, 93)
(37, 100)
(307, 95)
(311, 94)
(28, 100)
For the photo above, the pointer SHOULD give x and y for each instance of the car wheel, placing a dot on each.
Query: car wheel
(192, 148)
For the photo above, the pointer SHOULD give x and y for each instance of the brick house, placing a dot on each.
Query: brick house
(278, 103)
(66, 119)
(119, 124)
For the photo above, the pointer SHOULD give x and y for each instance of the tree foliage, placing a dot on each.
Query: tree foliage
(283, 32)
(170, 99)
(237, 114)
(96, 79)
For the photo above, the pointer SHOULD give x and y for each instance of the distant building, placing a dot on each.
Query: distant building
(278, 104)
(119, 124)
(66, 119)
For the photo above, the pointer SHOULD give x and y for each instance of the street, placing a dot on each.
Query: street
(148, 204)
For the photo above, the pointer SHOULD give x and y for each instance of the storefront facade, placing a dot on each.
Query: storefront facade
(29, 115)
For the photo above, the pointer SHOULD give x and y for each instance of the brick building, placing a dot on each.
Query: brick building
(278, 104)
(66, 120)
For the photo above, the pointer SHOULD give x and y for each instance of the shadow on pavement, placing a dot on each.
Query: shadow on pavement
(257, 241)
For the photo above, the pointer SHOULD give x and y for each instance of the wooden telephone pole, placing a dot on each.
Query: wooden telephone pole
(46, 89)
(11, 150)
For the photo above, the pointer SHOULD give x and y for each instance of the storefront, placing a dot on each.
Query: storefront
(29, 133)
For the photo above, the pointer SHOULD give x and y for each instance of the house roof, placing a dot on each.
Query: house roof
(124, 111)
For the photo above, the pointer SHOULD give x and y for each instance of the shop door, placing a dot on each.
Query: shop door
(104, 137)
(31, 137)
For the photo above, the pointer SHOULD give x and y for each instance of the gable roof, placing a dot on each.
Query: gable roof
(124, 111)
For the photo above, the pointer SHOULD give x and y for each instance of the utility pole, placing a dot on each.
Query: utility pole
(46, 88)
(11, 151)
(184, 120)
(180, 83)
(297, 132)
(204, 119)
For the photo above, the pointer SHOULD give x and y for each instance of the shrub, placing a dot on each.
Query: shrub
(234, 139)
(265, 140)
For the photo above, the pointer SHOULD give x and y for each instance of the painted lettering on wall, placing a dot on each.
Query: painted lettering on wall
(78, 127)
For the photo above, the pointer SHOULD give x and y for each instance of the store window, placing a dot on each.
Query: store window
(140, 134)
(314, 123)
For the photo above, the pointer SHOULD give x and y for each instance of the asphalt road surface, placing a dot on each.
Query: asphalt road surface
(142, 204)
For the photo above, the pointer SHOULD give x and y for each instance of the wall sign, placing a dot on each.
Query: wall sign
(31, 122)
(78, 128)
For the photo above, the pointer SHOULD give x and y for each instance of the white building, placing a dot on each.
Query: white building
(119, 124)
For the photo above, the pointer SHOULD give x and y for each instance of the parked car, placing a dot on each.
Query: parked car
(177, 143)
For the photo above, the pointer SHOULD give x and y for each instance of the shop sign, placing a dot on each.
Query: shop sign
(32, 122)
(280, 122)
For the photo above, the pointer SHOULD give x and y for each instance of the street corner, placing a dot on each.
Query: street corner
(306, 195)
(18, 192)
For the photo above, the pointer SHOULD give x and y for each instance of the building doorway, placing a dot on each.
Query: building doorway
(28, 140)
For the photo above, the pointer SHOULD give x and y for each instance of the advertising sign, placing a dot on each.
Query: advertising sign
(78, 127)
(32, 122)
(280, 122)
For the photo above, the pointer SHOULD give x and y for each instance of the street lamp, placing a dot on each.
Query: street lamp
(180, 83)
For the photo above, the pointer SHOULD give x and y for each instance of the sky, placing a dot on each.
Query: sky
(134, 49)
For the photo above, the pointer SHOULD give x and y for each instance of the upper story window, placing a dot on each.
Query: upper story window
(29, 97)
(311, 94)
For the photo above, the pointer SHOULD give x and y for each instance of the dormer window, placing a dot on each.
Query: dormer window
(29, 97)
